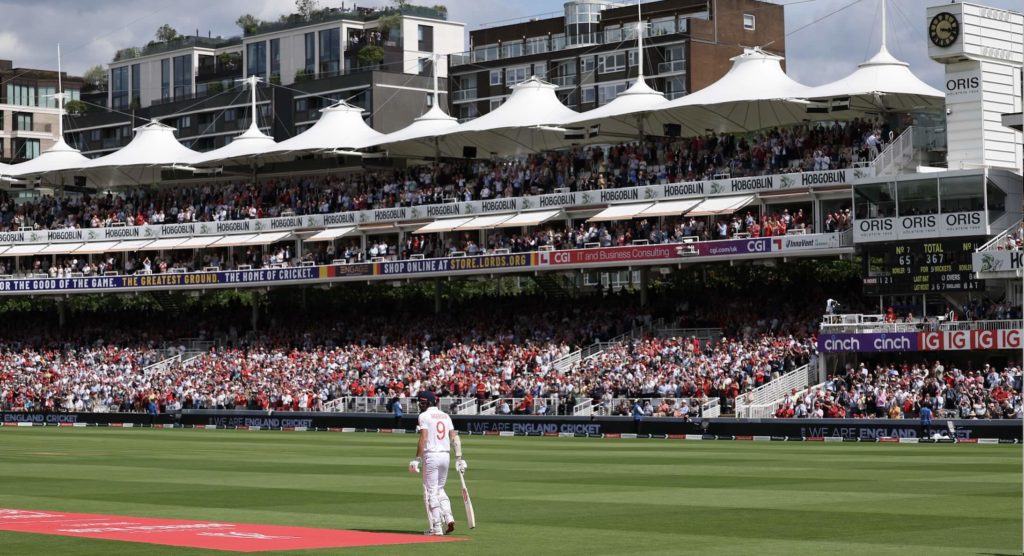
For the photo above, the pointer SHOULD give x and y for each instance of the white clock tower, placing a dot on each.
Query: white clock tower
(983, 51)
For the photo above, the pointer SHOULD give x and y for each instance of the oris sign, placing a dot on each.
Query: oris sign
(923, 226)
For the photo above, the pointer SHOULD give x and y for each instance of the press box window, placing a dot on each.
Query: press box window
(875, 200)
(748, 22)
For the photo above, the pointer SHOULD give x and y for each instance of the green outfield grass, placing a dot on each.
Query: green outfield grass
(532, 495)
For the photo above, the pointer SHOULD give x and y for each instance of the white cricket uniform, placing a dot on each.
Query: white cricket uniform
(436, 457)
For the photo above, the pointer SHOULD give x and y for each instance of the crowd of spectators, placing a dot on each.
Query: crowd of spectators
(798, 149)
(900, 390)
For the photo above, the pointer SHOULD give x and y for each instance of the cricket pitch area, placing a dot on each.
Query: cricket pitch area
(107, 491)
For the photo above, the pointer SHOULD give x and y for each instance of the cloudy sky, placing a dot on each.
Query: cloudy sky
(90, 31)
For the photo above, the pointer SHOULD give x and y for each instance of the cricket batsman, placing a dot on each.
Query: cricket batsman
(437, 435)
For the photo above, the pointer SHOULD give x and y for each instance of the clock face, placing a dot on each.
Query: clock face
(944, 29)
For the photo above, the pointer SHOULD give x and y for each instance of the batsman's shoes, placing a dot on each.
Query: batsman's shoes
(434, 533)
(450, 527)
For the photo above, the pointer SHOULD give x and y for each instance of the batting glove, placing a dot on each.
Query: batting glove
(414, 466)
(460, 465)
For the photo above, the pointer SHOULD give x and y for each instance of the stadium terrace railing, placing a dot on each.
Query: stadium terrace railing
(712, 334)
(774, 390)
(624, 406)
(711, 408)
(998, 243)
(896, 155)
(467, 407)
(876, 323)
(584, 408)
(161, 365)
(767, 411)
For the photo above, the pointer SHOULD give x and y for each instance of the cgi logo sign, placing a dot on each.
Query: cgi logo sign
(757, 246)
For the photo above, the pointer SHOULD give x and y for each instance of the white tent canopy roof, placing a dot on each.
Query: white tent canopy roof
(58, 158)
(516, 126)
(247, 146)
(622, 115)
(417, 139)
(753, 95)
(154, 144)
(340, 127)
(882, 83)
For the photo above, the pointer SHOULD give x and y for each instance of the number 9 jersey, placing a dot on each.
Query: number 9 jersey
(438, 426)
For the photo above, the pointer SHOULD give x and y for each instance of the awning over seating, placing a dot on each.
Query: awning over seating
(22, 250)
(446, 225)
(234, 241)
(529, 218)
(331, 234)
(620, 212)
(721, 205)
(267, 239)
(96, 247)
(485, 222)
(133, 245)
(197, 242)
(60, 248)
(670, 208)
(168, 243)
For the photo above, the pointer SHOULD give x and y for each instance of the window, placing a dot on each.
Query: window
(540, 69)
(684, 24)
(608, 63)
(301, 105)
(563, 73)
(330, 51)
(495, 77)
(918, 197)
(256, 59)
(512, 50)
(22, 122)
(310, 42)
(875, 200)
(996, 200)
(468, 111)
(485, 53)
(748, 22)
(72, 94)
(165, 79)
(675, 87)
(137, 84)
(495, 102)
(675, 60)
(182, 75)
(961, 194)
(21, 95)
(119, 88)
(426, 66)
(514, 76)
(184, 122)
(613, 34)
(26, 148)
(425, 38)
(587, 64)
(589, 95)
(275, 58)
(536, 45)
(96, 135)
(558, 41)
(663, 26)
(47, 97)
(605, 93)
(230, 115)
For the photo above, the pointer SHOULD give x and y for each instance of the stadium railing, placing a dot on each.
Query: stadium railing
(584, 408)
(712, 334)
(876, 323)
(756, 400)
(998, 243)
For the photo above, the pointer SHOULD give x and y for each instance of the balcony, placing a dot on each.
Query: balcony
(36, 127)
(675, 66)
(564, 81)
(464, 94)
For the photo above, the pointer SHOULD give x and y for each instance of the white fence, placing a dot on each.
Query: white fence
(755, 403)
(876, 323)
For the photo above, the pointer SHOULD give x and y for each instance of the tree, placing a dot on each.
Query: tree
(248, 23)
(400, 3)
(166, 33)
(75, 107)
(96, 76)
(441, 9)
(306, 8)
(370, 55)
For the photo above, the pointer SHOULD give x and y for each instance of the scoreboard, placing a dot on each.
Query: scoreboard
(900, 268)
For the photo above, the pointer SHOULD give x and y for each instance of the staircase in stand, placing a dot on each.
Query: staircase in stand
(167, 301)
(552, 285)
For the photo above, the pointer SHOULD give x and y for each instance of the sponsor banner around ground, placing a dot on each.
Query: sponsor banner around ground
(612, 254)
(806, 242)
(924, 226)
(172, 280)
(734, 247)
(998, 261)
(709, 188)
(455, 264)
(890, 342)
(861, 429)
(885, 342)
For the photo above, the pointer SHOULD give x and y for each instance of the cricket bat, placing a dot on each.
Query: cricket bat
(470, 518)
